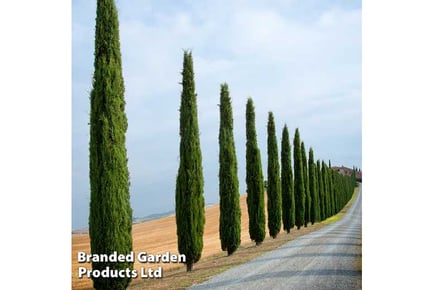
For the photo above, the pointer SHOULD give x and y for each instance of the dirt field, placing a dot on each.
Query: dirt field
(159, 236)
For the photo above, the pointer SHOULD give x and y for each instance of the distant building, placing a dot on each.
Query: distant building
(348, 171)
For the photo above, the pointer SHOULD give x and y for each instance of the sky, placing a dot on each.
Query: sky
(299, 59)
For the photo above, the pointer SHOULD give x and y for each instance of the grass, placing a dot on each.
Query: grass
(206, 268)
(340, 214)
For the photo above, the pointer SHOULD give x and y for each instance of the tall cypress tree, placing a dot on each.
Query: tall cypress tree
(332, 190)
(190, 204)
(274, 204)
(230, 212)
(325, 180)
(336, 182)
(313, 189)
(298, 182)
(338, 185)
(110, 215)
(287, 181)
(320, 190)
(306, 186)
(254, 179)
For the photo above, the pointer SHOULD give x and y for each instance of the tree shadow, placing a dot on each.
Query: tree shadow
(280, 274)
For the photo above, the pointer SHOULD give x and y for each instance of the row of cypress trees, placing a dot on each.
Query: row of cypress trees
(304, 193)
(110, 217)
(309, 194)
(317, 190)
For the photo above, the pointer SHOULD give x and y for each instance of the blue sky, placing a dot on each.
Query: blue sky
(299, 59)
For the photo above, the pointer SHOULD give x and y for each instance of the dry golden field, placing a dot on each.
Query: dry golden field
(159, 236)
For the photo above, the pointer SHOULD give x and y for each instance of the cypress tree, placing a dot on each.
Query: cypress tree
(313, 189)
(299, 188)
(254, 179)
(320, 191)
(274, 204)
(110, 215)
(353, 176)
(332, 190)
(306, 186)
(325, 180)
(287, 181)
(338, 191)
(338, 182)
(190, 204)
(230, 212)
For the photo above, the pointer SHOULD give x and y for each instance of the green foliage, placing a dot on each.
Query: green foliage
(274, 204)
(338, 191)
(254, 179)
(325, 178)
(353, 177)
(313, 189)
(327, 189)
(190, 204)
(332, 190)
(110, 214)
(299, 188)
(287, 181)
(321, 193)
(230, 212)
(306, 186)
(343, 186)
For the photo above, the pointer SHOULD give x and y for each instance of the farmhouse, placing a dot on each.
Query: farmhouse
(348, 171)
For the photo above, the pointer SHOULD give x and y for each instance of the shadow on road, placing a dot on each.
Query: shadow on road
(282, 274)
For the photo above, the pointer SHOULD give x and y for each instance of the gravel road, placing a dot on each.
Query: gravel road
(325, 259)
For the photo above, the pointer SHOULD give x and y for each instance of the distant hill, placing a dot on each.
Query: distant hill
(136, 220)
(153, 216)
